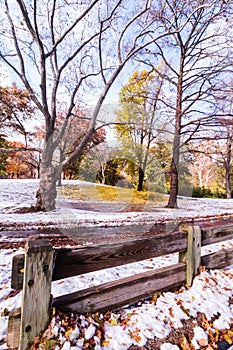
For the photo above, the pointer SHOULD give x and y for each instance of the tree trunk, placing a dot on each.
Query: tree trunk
(103, 174)
(62, 158)
(172, 202)
(228, 187)
(47, 193)
(228, 171)
(228, 162)
(174, 184)
(141, 175)
(59, 183)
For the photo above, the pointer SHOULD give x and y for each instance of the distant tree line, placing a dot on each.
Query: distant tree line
(178, 58)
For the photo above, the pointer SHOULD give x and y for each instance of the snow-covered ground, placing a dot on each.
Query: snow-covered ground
(20, 193)
(210, 294)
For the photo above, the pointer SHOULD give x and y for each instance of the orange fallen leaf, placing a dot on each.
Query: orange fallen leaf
(203, 342)
(106, 343)
(61, 282)
(227, 339)
(184, 343)
(171, 312)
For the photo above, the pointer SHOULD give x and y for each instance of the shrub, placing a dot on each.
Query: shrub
(201, 192)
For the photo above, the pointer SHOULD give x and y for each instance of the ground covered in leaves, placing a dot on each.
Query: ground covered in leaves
(95, 206)
(73, 325)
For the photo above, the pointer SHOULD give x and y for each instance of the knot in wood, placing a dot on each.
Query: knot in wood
(28, 329)
(30, 283)
(45, 268)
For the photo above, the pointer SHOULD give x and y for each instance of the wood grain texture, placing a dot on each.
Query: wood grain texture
(13, 332)
(35, 270)
(71, 262)
(35, 312)
(192, 257)
(127, 290)
(17, 271)
(217, 234)
(87, 259)
(218, 260)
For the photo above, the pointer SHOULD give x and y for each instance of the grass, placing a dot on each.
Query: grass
(110, 194)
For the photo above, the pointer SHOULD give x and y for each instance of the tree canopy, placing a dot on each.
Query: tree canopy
(70, 53)
(138, 123)
(15, 109)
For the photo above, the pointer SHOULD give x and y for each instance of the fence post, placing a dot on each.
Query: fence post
(35, 309)
(192, 257)
(14, 328)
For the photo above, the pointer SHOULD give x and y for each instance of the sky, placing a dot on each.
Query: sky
(89, 95)
(85, 64)
(134, 324)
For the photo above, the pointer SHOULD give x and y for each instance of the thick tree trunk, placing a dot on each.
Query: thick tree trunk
(47, 193)
(174, 184)
(141, 175)
(174, 181)
(172, 202)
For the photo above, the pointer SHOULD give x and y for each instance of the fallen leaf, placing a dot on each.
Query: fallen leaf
(106, 343)
(67, 333)
(113, 322)
(13, 293)
(203, 342)
(184, 343)
(171, 312)
(227, 339)
(186, 311)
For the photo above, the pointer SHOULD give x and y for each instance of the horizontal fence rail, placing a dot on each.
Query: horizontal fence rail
(40, 265)
(71, 262)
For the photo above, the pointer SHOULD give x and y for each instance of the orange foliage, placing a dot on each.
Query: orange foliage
(15, 107)
(20, 164)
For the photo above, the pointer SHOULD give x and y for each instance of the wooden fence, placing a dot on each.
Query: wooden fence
(34, 271)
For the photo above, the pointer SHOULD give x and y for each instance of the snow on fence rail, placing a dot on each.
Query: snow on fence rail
(35, 270)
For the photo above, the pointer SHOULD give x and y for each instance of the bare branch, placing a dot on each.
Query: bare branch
(20, 149)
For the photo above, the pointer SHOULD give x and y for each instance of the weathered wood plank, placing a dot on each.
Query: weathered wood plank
(35, 312)
(217, 234)
(193, 255)
(218, 260)
(127, 290)
(87, 259)
(71, 262)
(13, 333)
(17, 271)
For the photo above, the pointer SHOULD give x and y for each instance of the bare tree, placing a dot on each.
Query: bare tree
(204, 162)
(224, 114)
(64, 51)
(194, 57)
(227, 157)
